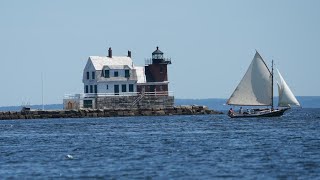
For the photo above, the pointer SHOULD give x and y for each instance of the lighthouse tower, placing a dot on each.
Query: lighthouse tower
(156, 72)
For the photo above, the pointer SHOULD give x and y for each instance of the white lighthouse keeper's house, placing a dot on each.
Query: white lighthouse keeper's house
(107, 76)
(112, 75)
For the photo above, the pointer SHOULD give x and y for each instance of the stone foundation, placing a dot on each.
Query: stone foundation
(127, 102)
(87, 113)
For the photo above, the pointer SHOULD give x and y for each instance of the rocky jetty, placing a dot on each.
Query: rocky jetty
(87, 113)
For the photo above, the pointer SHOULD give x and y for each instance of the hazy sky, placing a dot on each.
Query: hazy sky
(211, 43)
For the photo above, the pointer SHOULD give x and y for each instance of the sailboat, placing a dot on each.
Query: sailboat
(256, 89)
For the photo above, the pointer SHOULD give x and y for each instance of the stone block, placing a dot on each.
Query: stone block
(146, 113)
(160, 113)
(120, 113)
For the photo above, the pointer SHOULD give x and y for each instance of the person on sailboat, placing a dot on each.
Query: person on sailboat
(230, 112)
(240, 110)
(247, 111)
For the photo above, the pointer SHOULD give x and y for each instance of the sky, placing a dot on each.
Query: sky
(211, 43)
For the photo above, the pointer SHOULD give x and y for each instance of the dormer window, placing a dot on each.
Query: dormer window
(106, 73)
(127, 73)
(116, 74)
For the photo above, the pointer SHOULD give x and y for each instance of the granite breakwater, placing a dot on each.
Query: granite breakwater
(87, 113)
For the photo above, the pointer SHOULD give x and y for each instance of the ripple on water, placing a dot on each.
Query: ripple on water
(184, 147)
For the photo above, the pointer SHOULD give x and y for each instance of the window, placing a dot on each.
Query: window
(116, 89)
(106, 73)
(95, 89)
(107, 87)
(87, 103)
(127, 73)
(88, 75)
(130, 87)
(91, 89)
(93, 75)
(124, 88)
(86, 89)
(116, 74)
(157, 56)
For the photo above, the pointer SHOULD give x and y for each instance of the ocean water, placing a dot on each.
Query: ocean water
(168, 147)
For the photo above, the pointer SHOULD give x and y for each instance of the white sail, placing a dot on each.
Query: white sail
(286, 97)
(255, 88)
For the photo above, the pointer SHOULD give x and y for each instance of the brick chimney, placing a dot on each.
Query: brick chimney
(129, 54)
(110, 52)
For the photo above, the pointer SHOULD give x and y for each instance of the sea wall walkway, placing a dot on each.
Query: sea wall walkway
(87, 113)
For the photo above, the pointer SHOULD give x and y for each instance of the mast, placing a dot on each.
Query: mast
(272, 85)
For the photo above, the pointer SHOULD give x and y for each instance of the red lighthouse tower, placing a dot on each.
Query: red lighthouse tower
(156, 72)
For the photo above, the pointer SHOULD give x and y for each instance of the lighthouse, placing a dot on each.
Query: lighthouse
(156, 72)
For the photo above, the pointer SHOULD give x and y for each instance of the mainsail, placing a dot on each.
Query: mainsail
(286, 97)
(255, 88)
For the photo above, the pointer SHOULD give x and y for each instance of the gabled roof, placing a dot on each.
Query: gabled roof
(116, 61)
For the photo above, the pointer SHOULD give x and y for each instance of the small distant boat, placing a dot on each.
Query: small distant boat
(256, 89)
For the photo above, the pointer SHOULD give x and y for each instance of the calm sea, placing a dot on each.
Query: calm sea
(170, 147)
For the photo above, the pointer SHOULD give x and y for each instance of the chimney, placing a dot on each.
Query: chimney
(110, 52)
(129, 54)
